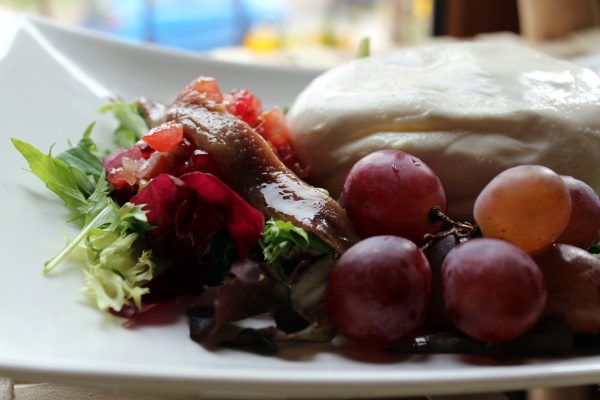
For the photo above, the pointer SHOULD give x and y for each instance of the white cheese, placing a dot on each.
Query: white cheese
(468, 110)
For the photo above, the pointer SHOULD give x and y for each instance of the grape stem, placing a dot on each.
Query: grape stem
(460, 230)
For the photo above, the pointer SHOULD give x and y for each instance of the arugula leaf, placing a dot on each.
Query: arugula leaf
(84, 157)
(99, 220)
(74, 175)
(282, 241)
(131, 124)
(55, 173)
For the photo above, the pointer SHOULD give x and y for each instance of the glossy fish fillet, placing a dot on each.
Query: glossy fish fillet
(249, 166)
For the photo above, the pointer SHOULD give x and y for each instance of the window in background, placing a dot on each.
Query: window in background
(188, 24)
(314, 33)
(196, 25)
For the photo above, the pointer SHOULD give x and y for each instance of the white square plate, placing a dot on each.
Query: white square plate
(52, 80)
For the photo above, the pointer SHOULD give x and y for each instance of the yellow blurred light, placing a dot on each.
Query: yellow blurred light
(422, 8)
(262, 40)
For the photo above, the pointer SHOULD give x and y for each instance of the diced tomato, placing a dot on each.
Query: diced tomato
(244, 105)
(207, 86)
(155, 165)
(113, 165)
(115, 160)
(125, 168)
(164, 137)
(129, 173)
(273, 127)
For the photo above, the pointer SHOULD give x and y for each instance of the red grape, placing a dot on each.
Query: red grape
(437, 316)
(493, 290)
(528, 205)
(379, 290)
(389, 192)
(584, 225)
(573, 279)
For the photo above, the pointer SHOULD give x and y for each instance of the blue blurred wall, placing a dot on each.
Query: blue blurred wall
(189, 24)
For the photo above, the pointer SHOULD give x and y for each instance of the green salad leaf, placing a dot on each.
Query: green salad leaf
(282, 241)
(55, 173)
(85, 156)
(131, 124)
(116, 268)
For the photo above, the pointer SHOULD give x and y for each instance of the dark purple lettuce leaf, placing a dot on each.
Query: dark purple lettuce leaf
(260, 341)
(289, 320)
(159, 313)
(247, 292)
(183, 277)
(202, 323)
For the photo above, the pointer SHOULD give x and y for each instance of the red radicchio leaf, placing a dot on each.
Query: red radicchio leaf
(244, 222)
(198, 236)
(163, 197)
(197, 206)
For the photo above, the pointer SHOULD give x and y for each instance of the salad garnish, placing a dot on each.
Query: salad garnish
(163, 220)
(116, 270)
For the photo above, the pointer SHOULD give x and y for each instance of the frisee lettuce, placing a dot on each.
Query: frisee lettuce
(131, 124)
(282, 241)
(115, 275)
(116, 269)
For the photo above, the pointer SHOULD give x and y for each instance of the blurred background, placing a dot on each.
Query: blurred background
(322, 33)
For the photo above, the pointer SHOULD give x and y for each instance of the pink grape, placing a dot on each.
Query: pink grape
(379, 290)
(528, 205)
(584, 226)
(493, 290)
(389, 192)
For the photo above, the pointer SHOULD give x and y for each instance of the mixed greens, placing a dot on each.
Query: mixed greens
(173, 239)
(115, 269)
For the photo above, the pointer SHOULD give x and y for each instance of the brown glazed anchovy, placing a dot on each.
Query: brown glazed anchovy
(153, 112)
(250, 167)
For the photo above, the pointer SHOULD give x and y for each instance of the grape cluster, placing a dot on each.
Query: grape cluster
(493, 279)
